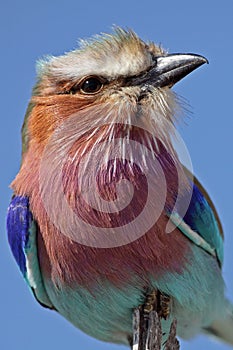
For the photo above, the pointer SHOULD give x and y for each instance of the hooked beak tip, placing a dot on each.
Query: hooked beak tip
(172, 68)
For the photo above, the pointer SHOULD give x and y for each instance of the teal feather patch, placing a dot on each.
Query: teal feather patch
(200, 222)
(33, 273)
(192, 235)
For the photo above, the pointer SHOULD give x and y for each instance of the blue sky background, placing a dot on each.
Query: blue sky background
(32, 29)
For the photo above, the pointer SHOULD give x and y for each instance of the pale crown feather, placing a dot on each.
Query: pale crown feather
(122, 53)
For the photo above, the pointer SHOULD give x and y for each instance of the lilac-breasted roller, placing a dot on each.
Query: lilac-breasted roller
(103, 211)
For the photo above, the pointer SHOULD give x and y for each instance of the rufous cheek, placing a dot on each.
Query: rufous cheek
(49, 112)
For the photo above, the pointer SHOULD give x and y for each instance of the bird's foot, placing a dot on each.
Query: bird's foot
(159, 302)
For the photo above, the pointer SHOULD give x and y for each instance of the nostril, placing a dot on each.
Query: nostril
(145, 88)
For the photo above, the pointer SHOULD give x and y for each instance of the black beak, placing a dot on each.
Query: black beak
(172, 68)
(169, 69)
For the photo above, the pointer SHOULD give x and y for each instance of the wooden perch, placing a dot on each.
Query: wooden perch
(147, 330)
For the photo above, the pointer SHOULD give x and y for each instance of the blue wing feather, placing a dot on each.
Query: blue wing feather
(19, 220)
(22, 237)
(202, 218)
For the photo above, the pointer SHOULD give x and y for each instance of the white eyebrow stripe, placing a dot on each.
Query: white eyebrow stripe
(66, 67)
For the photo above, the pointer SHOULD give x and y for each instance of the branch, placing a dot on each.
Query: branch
(147, 332)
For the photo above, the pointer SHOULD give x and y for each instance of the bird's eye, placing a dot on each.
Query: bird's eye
(91, 85)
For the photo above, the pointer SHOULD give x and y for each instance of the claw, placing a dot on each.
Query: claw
(159, 302)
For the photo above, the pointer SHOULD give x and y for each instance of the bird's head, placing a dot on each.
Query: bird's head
(112, 78)
(107, 109)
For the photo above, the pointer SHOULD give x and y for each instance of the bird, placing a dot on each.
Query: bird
(103, 211)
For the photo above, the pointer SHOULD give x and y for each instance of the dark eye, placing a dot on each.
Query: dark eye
(91, 85)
